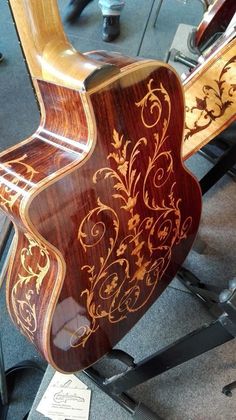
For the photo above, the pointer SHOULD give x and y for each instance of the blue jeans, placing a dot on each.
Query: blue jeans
(111, 7)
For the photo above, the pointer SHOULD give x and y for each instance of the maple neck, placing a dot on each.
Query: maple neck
(48, 52)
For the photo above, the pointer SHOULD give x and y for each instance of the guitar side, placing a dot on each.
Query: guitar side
(109, 215)
(37, 269)
(104, 210)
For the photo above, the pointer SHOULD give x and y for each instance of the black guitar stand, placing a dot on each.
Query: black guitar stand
(222, 146)
(198, 342)
(220, 303)
(227, 390)
(8, 379)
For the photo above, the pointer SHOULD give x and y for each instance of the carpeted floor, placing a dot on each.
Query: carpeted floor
(193, 390)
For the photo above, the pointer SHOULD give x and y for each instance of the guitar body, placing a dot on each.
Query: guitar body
(104, 210)
(215, 19)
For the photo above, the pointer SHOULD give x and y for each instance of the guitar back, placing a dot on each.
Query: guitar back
(104, 210)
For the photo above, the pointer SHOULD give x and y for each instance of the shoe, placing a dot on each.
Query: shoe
(110, 28)
(75, 9)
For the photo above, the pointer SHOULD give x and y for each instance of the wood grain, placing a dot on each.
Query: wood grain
(105, 212)
(210, 95)
(49, 54)
(73, 195)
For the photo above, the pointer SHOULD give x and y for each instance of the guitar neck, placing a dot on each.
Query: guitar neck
(210, 94)
(49, 54)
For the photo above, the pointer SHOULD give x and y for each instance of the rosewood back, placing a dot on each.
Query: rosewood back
(104, 211)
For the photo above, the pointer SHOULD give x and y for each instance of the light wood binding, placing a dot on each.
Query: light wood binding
(210, 95)
(102, 204)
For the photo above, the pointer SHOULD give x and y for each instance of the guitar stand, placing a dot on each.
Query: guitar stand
(179, 57)
(8, 379)
(227, 390)
(220, 303)
(3, 382)
(223, 165)
(223, 329)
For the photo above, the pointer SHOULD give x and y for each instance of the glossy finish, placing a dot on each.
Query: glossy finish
(215, 19)
(49, 54)
(105, 212)
(210, 95)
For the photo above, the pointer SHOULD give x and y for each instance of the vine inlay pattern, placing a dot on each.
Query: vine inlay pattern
(140, 251)
(27, 287)
(217, 98)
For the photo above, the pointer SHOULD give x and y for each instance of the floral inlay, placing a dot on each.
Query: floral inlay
(28, 285)
(215, 99)
(139, 243)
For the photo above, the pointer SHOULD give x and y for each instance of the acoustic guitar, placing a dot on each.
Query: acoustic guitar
(210, 94)
(215, 20)
(103, 208)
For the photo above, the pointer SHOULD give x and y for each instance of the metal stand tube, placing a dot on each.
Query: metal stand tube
(3, 383)
(184, 349)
